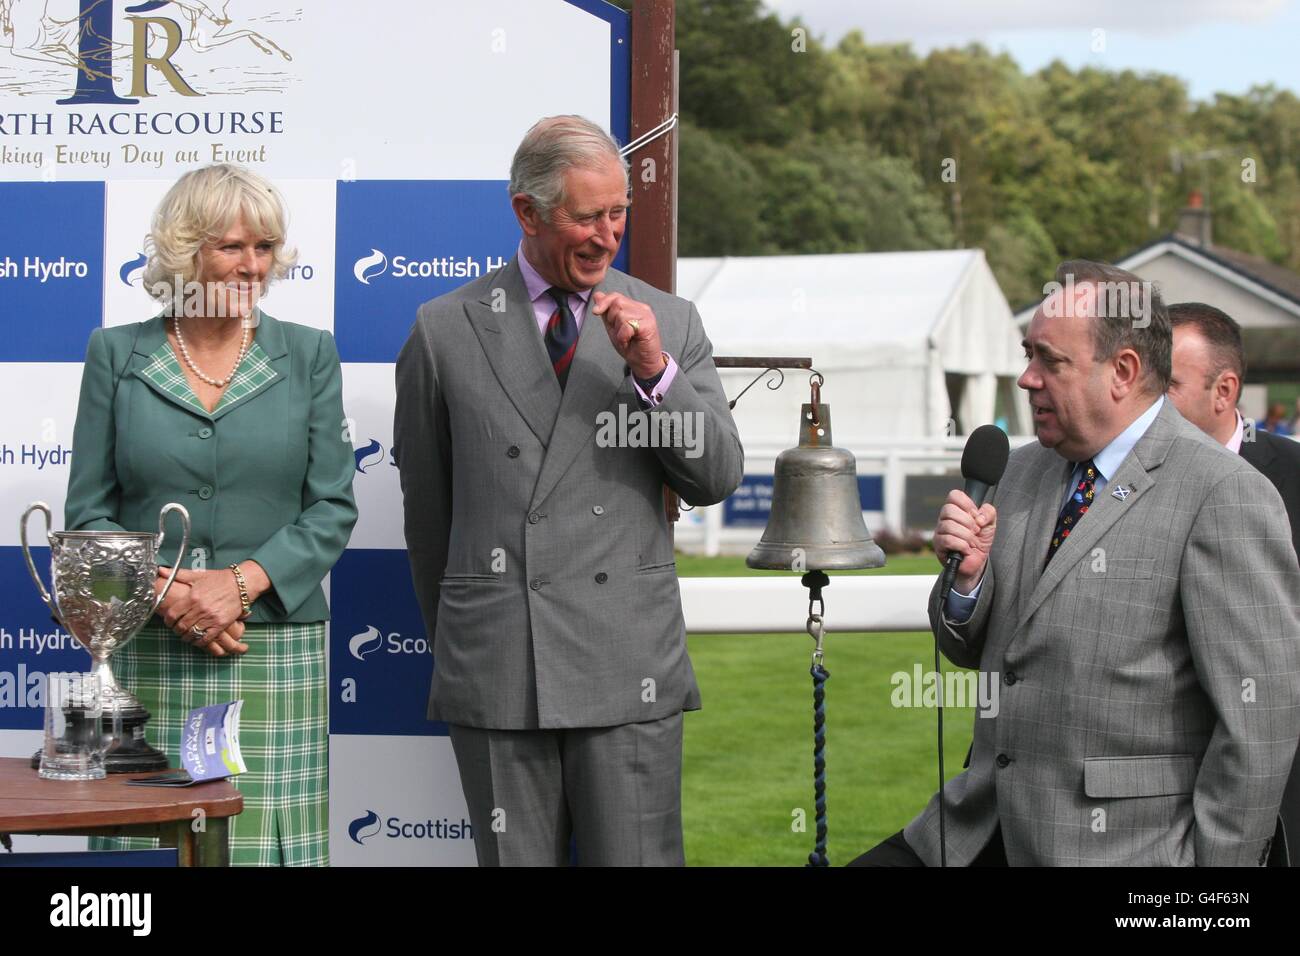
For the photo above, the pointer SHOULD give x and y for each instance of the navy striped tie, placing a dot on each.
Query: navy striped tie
(561, 334)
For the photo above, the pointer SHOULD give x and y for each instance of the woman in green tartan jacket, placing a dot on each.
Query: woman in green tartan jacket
(238, 417)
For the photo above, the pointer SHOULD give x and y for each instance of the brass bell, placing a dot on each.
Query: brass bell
(816, 519)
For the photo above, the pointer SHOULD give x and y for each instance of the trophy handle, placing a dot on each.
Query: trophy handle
(27, 555)
(185, 539)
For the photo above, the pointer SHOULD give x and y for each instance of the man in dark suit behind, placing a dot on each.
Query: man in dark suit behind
(1208, 366)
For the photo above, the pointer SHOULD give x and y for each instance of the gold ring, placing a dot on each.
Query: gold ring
(197, 631)
(636, 326)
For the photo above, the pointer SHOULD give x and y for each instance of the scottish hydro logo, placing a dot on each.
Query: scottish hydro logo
(378, 263)
(34, 454)
(132, 271)
(368, 455)
(372, 639)
(367, 642)
(43, 269)
(368, 267)
(364, 827)
(369, 825)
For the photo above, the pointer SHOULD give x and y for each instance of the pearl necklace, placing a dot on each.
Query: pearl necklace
(185, 354)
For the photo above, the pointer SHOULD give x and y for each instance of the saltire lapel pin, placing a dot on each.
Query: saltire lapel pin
(1121, 493)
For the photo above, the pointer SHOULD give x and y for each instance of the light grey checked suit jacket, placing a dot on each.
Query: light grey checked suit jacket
(1148, 707)
(543, 563)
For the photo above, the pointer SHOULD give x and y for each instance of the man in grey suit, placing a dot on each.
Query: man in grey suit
(1209, 364)
(1131, 590)
(534, 442)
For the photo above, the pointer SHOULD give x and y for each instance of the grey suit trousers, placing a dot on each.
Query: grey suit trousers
(616, 789)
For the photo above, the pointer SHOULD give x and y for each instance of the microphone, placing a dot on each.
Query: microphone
(983, 461)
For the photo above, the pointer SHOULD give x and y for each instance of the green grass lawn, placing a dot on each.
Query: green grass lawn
(748, 753)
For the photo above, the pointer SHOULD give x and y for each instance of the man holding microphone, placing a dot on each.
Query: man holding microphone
(1131, 589)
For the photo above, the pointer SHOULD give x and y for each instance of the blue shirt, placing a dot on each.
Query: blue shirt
(1106, 461)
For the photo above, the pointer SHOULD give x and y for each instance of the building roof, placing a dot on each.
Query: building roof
(1270, 281)
(1276, 278)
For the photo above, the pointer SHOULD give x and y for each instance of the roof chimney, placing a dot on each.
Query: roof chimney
(1194, 221)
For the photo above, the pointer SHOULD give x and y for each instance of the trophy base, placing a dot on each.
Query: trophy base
(147, 760)
(137, 757)
(132, 752)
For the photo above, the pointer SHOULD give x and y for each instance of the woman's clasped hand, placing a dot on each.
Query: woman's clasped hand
(208, 601)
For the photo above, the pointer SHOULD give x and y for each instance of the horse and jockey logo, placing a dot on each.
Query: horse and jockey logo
(78, 36)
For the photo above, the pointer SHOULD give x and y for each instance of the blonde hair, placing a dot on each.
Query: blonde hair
(198, 209)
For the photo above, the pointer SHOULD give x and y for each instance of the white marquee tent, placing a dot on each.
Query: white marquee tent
(901, 337)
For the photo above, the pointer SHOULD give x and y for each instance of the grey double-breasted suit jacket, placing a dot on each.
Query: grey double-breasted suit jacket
(540, 552)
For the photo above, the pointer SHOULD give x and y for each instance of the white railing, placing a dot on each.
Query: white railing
(776, 603)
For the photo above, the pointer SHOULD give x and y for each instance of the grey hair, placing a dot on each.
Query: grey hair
(552, 147)
(1130, 314)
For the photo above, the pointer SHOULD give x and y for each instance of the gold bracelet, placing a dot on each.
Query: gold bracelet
(243, 590)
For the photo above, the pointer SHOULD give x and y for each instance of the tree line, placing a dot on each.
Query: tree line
(789, 145)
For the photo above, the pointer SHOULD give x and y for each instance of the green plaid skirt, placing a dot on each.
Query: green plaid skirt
(283, 731)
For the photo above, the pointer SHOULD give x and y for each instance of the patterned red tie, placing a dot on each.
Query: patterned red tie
(561, 334)
(1074, 510)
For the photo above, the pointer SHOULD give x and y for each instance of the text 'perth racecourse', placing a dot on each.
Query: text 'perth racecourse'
(142, 123)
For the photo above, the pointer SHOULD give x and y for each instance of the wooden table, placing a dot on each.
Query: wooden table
(108, 807)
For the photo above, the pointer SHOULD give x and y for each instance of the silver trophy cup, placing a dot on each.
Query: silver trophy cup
(103, 583)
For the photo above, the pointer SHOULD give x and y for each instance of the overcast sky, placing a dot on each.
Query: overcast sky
(1215, 45)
